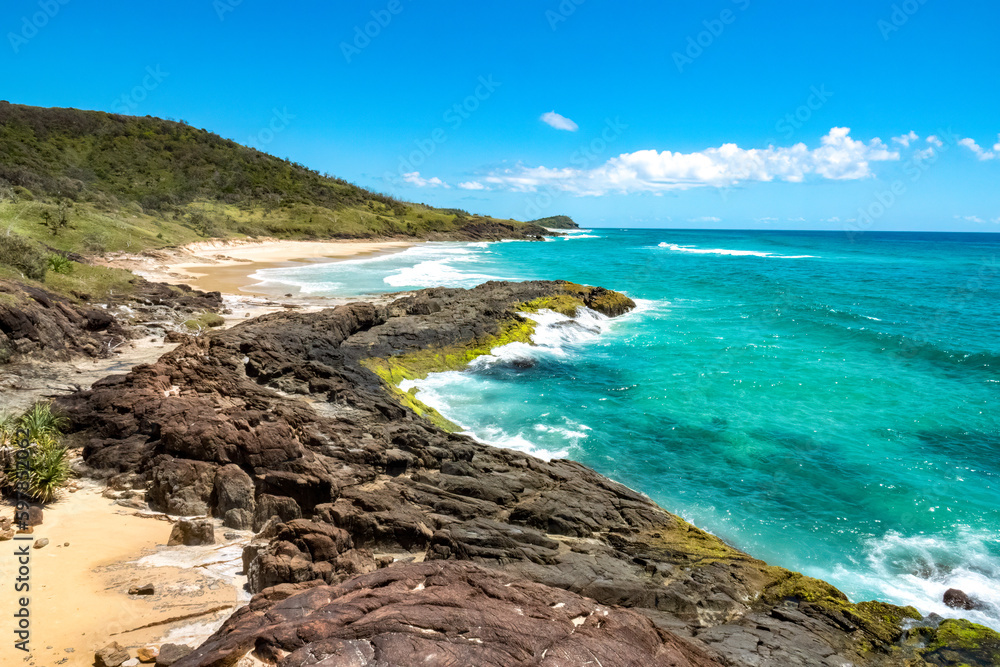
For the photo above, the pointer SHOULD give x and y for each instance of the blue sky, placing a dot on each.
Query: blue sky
(665, 111)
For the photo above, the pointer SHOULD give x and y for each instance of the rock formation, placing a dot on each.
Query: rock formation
(292, 422)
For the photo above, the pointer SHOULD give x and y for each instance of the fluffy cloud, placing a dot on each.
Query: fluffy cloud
(414, 178)
(839, 157)
(979, 151)
(705, 218)
(970, 218)
(935, 141)
(472, 185)
(905, 139)
(558, 121)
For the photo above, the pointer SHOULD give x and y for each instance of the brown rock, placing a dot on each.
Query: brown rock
(145, 589)
(443, 613)
(191, 533)
(171, 653)
(957, 599)
(147, 653)
(112, 655)
(43, 542)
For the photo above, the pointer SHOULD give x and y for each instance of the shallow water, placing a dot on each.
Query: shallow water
(825, 403)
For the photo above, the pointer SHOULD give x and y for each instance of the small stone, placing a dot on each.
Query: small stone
(35, 516)
(41, 543)
(147, 653)
(171, 653)
(65, 544)
(131, 662)
(112, 655)
(145, 589)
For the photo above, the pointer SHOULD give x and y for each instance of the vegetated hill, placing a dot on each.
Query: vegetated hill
(92, 182)
(556, 222)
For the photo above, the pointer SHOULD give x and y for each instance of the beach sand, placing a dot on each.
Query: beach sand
(226, 265)
(79, 593)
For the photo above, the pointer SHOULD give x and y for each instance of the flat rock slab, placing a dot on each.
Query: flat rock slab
(443, 613)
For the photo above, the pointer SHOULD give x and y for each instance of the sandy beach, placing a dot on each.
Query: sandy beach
(226, 265)
(97, 551)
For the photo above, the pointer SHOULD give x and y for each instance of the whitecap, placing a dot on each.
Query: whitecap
(725, 251)
(917, 570)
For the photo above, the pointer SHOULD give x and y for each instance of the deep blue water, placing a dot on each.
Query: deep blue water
(825, 403)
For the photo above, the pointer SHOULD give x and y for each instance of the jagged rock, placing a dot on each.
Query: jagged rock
(44, 542)
(112, 655)
(171, 653)
(442, 613)
(233, 490)
(145, 589)
(352, 478)
(957, 599)
(238, 519)
(192, 533)
(181, 486)
(285, 509)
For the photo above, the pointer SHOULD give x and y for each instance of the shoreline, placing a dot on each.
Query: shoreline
(226, 266)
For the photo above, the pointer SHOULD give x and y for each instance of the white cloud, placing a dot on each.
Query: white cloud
(766, 221)
(558, 121)
(705, 218)
(796, 219)
(414, 178)
(970, 218)
(924, 154)
(935, 141)
(833, 219)
(472, 185)
(839, 157)
(977, 149)
(905, 139)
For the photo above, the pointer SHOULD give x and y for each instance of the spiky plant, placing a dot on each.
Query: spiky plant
(40, 421)
(50, 469)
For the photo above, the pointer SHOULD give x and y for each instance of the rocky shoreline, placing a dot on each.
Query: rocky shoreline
(382, 536)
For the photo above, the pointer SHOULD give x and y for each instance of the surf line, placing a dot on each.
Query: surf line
(22, 583)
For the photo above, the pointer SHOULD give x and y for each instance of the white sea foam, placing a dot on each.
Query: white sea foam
(726, 251)
(555, 336)
(917, 570)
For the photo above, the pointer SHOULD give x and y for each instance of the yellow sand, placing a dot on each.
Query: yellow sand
(79, 593)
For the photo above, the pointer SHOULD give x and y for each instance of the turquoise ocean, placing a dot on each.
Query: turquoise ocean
(827, 403)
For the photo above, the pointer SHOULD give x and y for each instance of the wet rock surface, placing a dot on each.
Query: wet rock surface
(347, 480)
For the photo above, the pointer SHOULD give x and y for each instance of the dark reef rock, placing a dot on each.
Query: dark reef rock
(957, 599)
(38, 324)
(348, 478)
(441, 614)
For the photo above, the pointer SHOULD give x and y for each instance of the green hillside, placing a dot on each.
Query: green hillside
(90, 183)
(93, 182)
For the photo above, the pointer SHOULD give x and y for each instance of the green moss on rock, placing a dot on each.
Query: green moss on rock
(961, 642)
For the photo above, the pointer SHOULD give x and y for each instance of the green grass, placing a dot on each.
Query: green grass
(93, 182)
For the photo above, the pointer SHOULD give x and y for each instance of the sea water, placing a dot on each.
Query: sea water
(826, 402)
